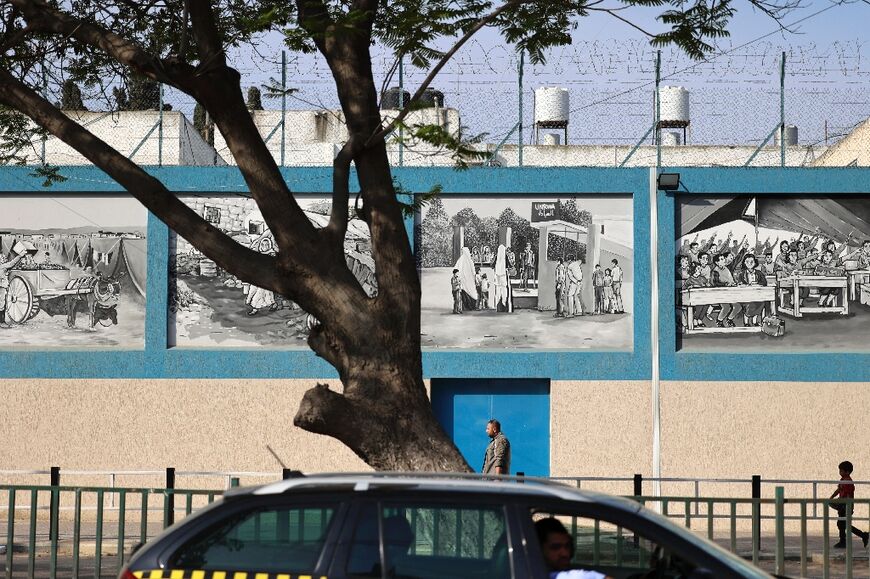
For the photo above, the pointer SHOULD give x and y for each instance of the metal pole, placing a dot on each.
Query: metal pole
(756, 514)
(283, 101)
(658, 111)
(160, 129)
(520, 121)
(45, 95)
(780, 530)
(401, 106)
(169, 500)
(654, 328)
(782, 112)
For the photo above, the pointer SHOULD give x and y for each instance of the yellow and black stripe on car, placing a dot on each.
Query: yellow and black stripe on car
(199, 574)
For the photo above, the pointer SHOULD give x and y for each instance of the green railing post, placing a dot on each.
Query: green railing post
(780, 530)
(826, 541)
(756, 517)
(98, 543)
(143, 517)
(849, 506)
(122, 516)
(234, 482)
(10, 533)
(77, 533)
(803, 539)
(169, 498)
(31, 546)
(53, 522)
(733, 527)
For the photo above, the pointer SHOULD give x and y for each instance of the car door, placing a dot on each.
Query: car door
(430, 537)
(619, 542)
(270, 535)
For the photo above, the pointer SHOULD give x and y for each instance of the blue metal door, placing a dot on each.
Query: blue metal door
(463, 408)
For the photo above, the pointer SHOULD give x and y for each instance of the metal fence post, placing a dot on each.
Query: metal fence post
(283, 102)
(756, 513)
(780, 530)
(520, 120)
(53, 520)
(638, 485)
(169, 500)
(520, 475)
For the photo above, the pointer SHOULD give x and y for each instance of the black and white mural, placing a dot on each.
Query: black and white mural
(72, 272)
(209, 307)
(782, 273)
(527, 272)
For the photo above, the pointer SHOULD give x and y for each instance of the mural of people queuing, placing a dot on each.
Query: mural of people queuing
(484, 257)
(792, 268)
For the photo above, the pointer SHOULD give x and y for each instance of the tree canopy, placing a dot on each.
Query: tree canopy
(382, 411)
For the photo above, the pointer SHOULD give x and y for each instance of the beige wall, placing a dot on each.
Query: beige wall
(214, 425)
(601, 429)
(711, 430)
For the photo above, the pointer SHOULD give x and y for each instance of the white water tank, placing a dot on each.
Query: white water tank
(552, 139)
(791, 136)
(551, 105)
(674, 105)
(671, 139)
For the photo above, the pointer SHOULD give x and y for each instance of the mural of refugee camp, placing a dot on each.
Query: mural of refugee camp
(209, 307)
(72, 272)
(773, 273)
(527, 272)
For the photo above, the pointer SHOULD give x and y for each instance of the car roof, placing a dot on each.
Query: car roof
(435, 482)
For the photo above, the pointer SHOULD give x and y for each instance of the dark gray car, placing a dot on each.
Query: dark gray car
(426, 527)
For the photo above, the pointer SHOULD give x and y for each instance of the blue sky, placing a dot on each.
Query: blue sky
(609, 72)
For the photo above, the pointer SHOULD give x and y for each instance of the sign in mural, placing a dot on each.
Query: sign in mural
(209, 307)
(72, 272)
(536, 272)
(773, 272)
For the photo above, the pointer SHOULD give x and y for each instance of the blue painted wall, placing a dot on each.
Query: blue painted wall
(156, 360)
(463, 407)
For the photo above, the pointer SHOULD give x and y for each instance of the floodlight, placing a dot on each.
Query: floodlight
(669, 181)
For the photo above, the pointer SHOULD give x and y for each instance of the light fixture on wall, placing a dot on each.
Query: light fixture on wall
(668, 181)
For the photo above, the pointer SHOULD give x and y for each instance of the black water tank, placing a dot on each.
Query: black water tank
(390, 99)
(432, 98)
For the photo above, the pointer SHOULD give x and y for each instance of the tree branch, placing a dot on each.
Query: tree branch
(383, 132)
(250, 266)
(337, 226)
(208, 39)
(613, 13)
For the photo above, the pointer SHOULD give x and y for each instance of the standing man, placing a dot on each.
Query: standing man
(574, 271)
(616, 274)
(497, 459)
(561, 278)
(598, 288)
(528, 265)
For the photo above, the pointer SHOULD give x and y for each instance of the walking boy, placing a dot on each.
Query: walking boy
(846, 490)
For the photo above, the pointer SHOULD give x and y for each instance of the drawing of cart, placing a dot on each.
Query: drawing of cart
(28, 287)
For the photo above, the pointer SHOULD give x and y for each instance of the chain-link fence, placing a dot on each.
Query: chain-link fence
(734, 109)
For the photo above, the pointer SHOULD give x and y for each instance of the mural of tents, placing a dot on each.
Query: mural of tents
(122, 256)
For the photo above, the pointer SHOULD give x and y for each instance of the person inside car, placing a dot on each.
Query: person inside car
(557, 547)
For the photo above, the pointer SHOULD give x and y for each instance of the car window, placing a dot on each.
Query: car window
(423, 541)
(568, 542)
(279, 540)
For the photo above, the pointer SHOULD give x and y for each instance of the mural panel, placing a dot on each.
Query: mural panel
(72, 272)
(527, 272)
(209, 307)
(773, 273)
